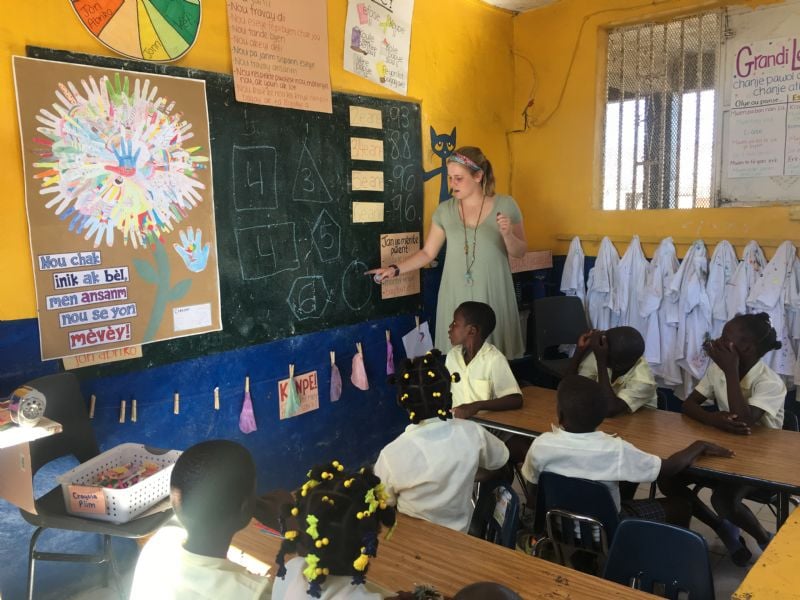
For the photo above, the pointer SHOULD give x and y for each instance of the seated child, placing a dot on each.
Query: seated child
(487, 382)
(338, 518)
(429, 470)
(615, 359)
(212, 488)
(576, 449)
(747, 393)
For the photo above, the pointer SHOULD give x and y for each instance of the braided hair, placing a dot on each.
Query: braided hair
(759, 329)
(338, 515)
(423, 387)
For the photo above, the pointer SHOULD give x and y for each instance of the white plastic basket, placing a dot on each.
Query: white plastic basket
(126, 504)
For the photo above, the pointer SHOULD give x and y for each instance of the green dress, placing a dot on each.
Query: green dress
(491, 274)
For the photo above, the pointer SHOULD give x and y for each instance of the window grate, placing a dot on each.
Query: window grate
(659, 114)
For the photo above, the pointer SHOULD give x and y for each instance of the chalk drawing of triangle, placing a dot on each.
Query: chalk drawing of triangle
(308, 183)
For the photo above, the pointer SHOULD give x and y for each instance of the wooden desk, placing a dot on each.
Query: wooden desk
(767, 457)
(421, 552)
(16, 435)
(776, 573)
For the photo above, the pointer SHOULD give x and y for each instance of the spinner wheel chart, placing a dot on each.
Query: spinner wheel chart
(154, 30)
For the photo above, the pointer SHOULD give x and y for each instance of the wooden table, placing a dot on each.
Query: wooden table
(16, 435)
(421, 552)
(767, 457)
(776, 573)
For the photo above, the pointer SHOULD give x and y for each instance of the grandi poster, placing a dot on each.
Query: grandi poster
(120, 207)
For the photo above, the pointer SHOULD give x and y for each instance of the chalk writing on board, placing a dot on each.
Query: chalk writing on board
(327, 237)
(398, 144)
(365, 117)
(308, 183)
(404, 181)
(255, 177)
(368, 181)
(309, 297)
(266, 250)
(356, 288)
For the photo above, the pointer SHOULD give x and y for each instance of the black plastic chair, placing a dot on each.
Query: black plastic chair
(66, 405)
(580, 519)
(495, 501)
(661, 559)
(558, 320)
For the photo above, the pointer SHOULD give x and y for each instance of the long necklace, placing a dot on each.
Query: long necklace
(467, 262)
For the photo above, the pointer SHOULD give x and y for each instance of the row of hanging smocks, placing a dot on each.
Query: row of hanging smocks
(663, 311)
(630, 281)
(774, 292)
(721, 270)
(572, 279)
(688, 287)
(747, 273)
(601, 293)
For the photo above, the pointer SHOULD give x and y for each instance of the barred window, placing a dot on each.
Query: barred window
(658, 142)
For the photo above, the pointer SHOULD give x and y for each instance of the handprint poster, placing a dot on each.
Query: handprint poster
(120, 207)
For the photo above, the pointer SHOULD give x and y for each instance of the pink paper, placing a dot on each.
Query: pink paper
(359, 375)
(247, 419)
(389, 358)
(363, 16)
(336, 383)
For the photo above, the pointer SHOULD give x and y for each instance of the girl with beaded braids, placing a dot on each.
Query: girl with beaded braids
(428, 471)
(337, 517)
(748, 394)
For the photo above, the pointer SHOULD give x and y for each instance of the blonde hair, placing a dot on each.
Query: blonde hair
(479, 158)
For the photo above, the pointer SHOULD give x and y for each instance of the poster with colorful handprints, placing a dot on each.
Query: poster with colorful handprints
(120, 208)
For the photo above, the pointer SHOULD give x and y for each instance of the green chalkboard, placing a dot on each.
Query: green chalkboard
(291, 260)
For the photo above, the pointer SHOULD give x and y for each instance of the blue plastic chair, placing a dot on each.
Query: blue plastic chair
(497, 512)
(660, 559)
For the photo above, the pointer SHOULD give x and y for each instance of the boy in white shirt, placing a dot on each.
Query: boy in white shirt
(428, 471)
(486, 382)
(212, 488)
(335, 522)
(576, 449)
(615, 359)
(748, 394)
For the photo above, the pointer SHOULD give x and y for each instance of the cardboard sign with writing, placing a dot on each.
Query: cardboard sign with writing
(365, 117)
(86, 499)
(367, 212)
(103, 356)
(308, 390)
(532, 261)
(395, 248)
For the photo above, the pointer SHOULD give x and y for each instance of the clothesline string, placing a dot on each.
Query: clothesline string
(678, 241)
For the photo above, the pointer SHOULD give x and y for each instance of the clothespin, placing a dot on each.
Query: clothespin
(134, 412)
(333, 358)
(247, 384)
(122, 411)
(216, 398)
(92, 401)
(416, 318)
(388, 335)
(358, 348)
(176, 404)
(291, 371)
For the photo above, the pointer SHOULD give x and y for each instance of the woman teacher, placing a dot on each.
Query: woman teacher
(483, 229)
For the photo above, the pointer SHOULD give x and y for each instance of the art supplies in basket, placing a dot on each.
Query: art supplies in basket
(120, 484)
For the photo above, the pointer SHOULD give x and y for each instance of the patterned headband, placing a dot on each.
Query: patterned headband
(464, 160)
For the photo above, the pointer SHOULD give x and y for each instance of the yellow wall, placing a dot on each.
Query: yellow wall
(461, 70)
(553, 165)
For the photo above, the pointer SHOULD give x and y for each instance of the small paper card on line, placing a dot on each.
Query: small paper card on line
(367, 212)
(417, 342)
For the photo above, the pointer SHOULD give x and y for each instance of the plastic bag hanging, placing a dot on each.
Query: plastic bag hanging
(389, 354)
(247, 419)
(336, 380)
(358, 377)
(292, 406)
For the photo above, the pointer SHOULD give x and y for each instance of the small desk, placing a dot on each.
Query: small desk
(767, 457)
(776, 574)
(19, 435)
(421, 552)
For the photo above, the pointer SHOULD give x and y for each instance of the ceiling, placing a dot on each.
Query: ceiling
(519, 5)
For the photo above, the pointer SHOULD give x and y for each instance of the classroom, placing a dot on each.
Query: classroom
(524, 80)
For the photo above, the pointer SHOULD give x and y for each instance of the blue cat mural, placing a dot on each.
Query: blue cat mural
(442, 146)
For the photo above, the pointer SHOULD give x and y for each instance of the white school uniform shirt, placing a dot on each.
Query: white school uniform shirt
(631, 274)
(572, 279)
(294, 586)
(486, 377)
(688, 285)
(428, 471)
(747, 272)
(637, 387)
(601, 290)
(721, 269)
(772, 293)
(167, 571)
(659, 343)
(596, 456)
(761, 387)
